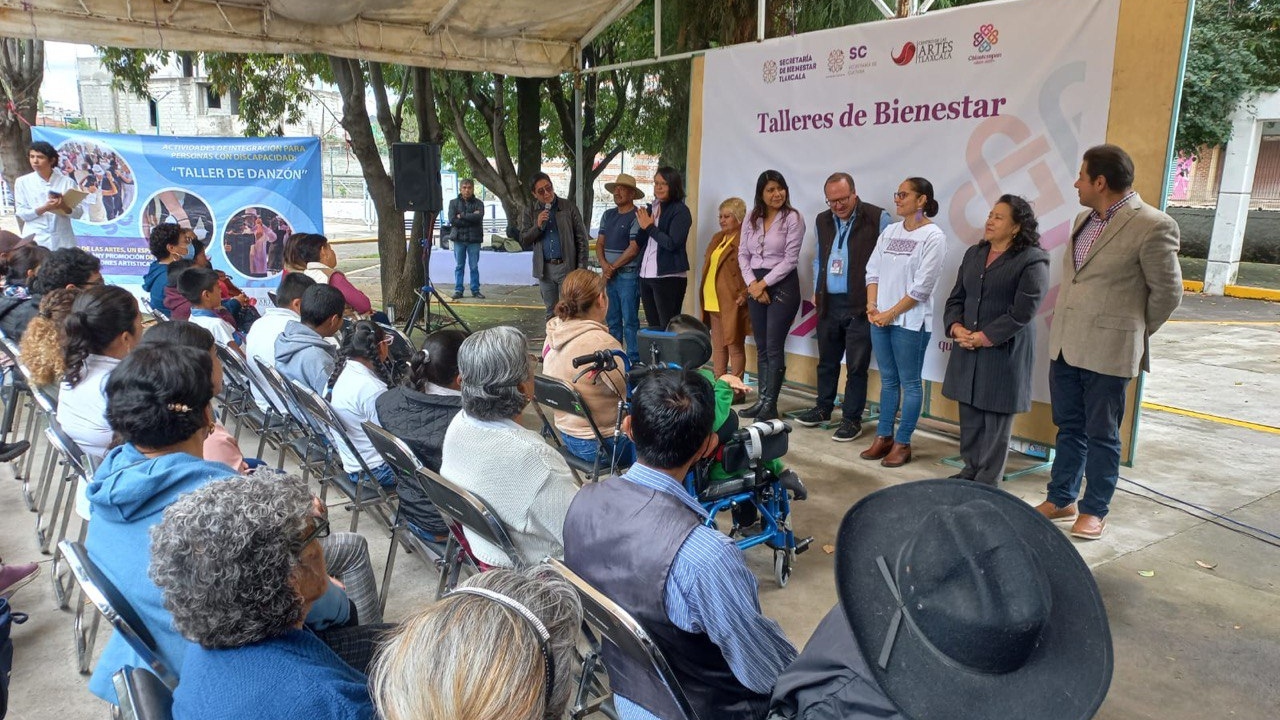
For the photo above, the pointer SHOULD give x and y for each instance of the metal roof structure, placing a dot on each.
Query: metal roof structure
(513, 37)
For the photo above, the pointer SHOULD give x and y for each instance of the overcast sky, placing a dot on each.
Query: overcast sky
(60, 73)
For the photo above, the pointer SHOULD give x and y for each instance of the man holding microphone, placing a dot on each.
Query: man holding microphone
(557, 237)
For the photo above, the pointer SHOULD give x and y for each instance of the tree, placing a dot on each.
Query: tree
(1234, 55)
(273, 89)
(21, 73)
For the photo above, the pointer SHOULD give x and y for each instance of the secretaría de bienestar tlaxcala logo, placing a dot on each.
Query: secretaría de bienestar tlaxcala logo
(922, 51)
(788, 69)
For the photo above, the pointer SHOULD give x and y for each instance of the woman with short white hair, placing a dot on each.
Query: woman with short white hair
(486, 451)
(509, 640)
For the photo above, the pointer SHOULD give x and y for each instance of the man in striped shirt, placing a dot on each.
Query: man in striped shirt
(641, 540)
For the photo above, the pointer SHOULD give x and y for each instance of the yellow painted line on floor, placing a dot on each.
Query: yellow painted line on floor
(1236, 291)
(1227, 322)
(1212, 418)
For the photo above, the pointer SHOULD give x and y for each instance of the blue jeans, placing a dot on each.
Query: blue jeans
(1087, 408)
(470, 253)
(900, 357)
(385, 476)
(623, 317)
(587, 449)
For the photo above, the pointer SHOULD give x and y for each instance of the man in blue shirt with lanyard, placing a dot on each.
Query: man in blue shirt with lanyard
(619, 256)
(557, 237)
(847, 234)
(622, 533)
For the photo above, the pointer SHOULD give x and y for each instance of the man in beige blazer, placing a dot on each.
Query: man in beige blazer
(1120, 282)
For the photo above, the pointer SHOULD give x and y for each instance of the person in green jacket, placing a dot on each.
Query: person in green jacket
(726, 421)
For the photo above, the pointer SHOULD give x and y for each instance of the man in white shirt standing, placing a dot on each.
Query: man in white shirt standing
(39, 199)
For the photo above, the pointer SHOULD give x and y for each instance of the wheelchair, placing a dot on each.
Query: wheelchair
(738, 478)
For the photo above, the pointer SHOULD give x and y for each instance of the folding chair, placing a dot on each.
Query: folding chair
(77, 470)
(308, 445)
(377, 501)
(562, 397)
(142, 696)
(470, 512)
(626, 646)
(147, 308)
(13, 393)
(113, 606)
(238, 387)
(43, 406)
(406, 466)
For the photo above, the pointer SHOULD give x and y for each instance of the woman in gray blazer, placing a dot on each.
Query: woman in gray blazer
(989, 317)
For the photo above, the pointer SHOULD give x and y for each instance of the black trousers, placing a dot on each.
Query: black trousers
(772, 323)
(662, 299)
(843, 332)
(984, 443)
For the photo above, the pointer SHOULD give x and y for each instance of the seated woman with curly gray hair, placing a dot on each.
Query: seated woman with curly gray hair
(509, 639)
(240, 563)
(486, 450)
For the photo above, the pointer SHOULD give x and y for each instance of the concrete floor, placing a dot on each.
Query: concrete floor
(1189, 642)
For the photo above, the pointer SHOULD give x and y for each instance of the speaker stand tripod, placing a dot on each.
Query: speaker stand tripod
(423, 317)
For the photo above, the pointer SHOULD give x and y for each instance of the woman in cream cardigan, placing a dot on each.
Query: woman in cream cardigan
(724, 293)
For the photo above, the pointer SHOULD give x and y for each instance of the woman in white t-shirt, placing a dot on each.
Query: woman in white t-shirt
(359, 379)
(902, 275)
(103, 326)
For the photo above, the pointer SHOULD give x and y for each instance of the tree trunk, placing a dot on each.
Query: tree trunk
(675, 143)
(21, 72)
(401, 270)
(528, 127)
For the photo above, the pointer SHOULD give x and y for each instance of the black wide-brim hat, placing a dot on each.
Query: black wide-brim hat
(1064, 677)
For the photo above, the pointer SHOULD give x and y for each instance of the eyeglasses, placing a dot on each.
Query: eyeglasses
(902, 195)
(542, 190)
(387, 339)
(839, 201)
(319, 530)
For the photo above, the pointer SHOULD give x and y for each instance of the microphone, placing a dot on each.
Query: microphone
(546, 207)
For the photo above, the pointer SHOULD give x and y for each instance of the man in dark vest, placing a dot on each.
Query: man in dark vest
(466, 217)
(847, 234)
(640, 540)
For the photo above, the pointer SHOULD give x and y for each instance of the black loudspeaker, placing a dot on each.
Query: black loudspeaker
(415, 167)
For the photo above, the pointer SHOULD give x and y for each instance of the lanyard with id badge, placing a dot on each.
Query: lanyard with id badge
(835, 266)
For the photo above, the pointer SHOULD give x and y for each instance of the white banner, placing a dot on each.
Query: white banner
(981, 100)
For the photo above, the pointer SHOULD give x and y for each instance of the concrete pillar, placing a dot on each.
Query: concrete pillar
(1241, 158)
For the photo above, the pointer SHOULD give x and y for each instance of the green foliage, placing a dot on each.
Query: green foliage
(1234, 54)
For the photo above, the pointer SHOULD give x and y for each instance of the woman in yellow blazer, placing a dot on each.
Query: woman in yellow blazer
(724, 294)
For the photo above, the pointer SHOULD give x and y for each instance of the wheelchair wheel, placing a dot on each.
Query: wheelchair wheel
(782, 566)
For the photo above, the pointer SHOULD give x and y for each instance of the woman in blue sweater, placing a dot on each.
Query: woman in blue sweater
(240, 563)
(158, 402)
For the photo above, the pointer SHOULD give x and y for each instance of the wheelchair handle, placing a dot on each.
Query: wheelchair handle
(602, 358)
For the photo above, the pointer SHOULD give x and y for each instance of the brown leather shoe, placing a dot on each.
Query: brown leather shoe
(1088, 527)
(879, 448)
(898, 456)
(1057, 514)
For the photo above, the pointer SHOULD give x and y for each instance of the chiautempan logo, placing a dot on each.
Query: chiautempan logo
(984, 42)
(770, 71)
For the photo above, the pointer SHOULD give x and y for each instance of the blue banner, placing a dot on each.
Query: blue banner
(243, 197)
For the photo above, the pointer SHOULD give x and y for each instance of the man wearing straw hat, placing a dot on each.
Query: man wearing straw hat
(619, 255)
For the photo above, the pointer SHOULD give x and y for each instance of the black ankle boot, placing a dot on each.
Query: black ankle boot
(769, 396)
(762, 384)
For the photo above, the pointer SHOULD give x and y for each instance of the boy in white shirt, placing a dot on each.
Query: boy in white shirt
(200, 287)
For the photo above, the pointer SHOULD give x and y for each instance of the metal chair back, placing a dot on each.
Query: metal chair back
(471, 512)
(560, 396)
(142, 696)
(117, 610)
(625, 635)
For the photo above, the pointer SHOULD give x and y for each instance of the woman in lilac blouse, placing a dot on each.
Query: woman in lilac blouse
(768, 254)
